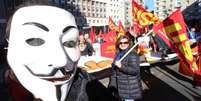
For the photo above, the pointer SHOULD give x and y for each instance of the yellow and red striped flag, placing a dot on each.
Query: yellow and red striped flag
(174, 28)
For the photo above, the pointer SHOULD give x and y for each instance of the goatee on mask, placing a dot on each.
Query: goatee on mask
(43, 50)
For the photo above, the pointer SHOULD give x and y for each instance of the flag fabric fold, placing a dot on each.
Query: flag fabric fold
(110, 36)
(136, 28)
(197, 77)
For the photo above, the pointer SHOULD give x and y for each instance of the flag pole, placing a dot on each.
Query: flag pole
(134, 46)
(188, 29)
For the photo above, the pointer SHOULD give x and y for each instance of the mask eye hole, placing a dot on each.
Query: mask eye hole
(35, 41)
(70, 44)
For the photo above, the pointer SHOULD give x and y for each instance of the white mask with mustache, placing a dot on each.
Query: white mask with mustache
(43, 50)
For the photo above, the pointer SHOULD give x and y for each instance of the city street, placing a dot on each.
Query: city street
(164, 83)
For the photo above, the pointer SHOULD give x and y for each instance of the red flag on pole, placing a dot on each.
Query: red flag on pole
(121, 30)
(141, 16)
(112, 25)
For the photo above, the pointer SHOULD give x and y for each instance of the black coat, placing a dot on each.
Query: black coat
(82, 89)
(127, 80)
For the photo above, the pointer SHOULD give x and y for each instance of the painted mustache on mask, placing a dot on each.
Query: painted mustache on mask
(50, 76)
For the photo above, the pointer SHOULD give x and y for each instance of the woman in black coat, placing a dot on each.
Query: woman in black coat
(125, 79)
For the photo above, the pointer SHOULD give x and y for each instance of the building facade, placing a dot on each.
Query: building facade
(96, 12)
(165, 7)
(88, 13)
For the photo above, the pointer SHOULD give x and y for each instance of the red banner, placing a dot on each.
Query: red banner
(108, 49)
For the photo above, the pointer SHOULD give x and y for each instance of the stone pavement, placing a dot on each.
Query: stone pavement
(163, 82)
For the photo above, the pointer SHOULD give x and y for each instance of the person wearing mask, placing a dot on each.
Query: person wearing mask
(125, 81)
(43, 54)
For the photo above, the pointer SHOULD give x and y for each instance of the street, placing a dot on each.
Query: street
(163, 82)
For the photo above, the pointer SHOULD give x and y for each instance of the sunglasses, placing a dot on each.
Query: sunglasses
(124, 42)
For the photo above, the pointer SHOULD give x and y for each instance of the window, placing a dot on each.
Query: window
(100, 9)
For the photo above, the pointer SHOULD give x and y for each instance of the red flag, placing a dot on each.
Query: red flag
(137, 28)
(136, 1)
(174, 28)
(110, 36)
(92, 35)
(141, 16)
(121, 29)
(164, 37)
(101, 35)
(108, 47)
(197, 77)
(112, 25)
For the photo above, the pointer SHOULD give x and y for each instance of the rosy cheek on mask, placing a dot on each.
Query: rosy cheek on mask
(74, 53)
